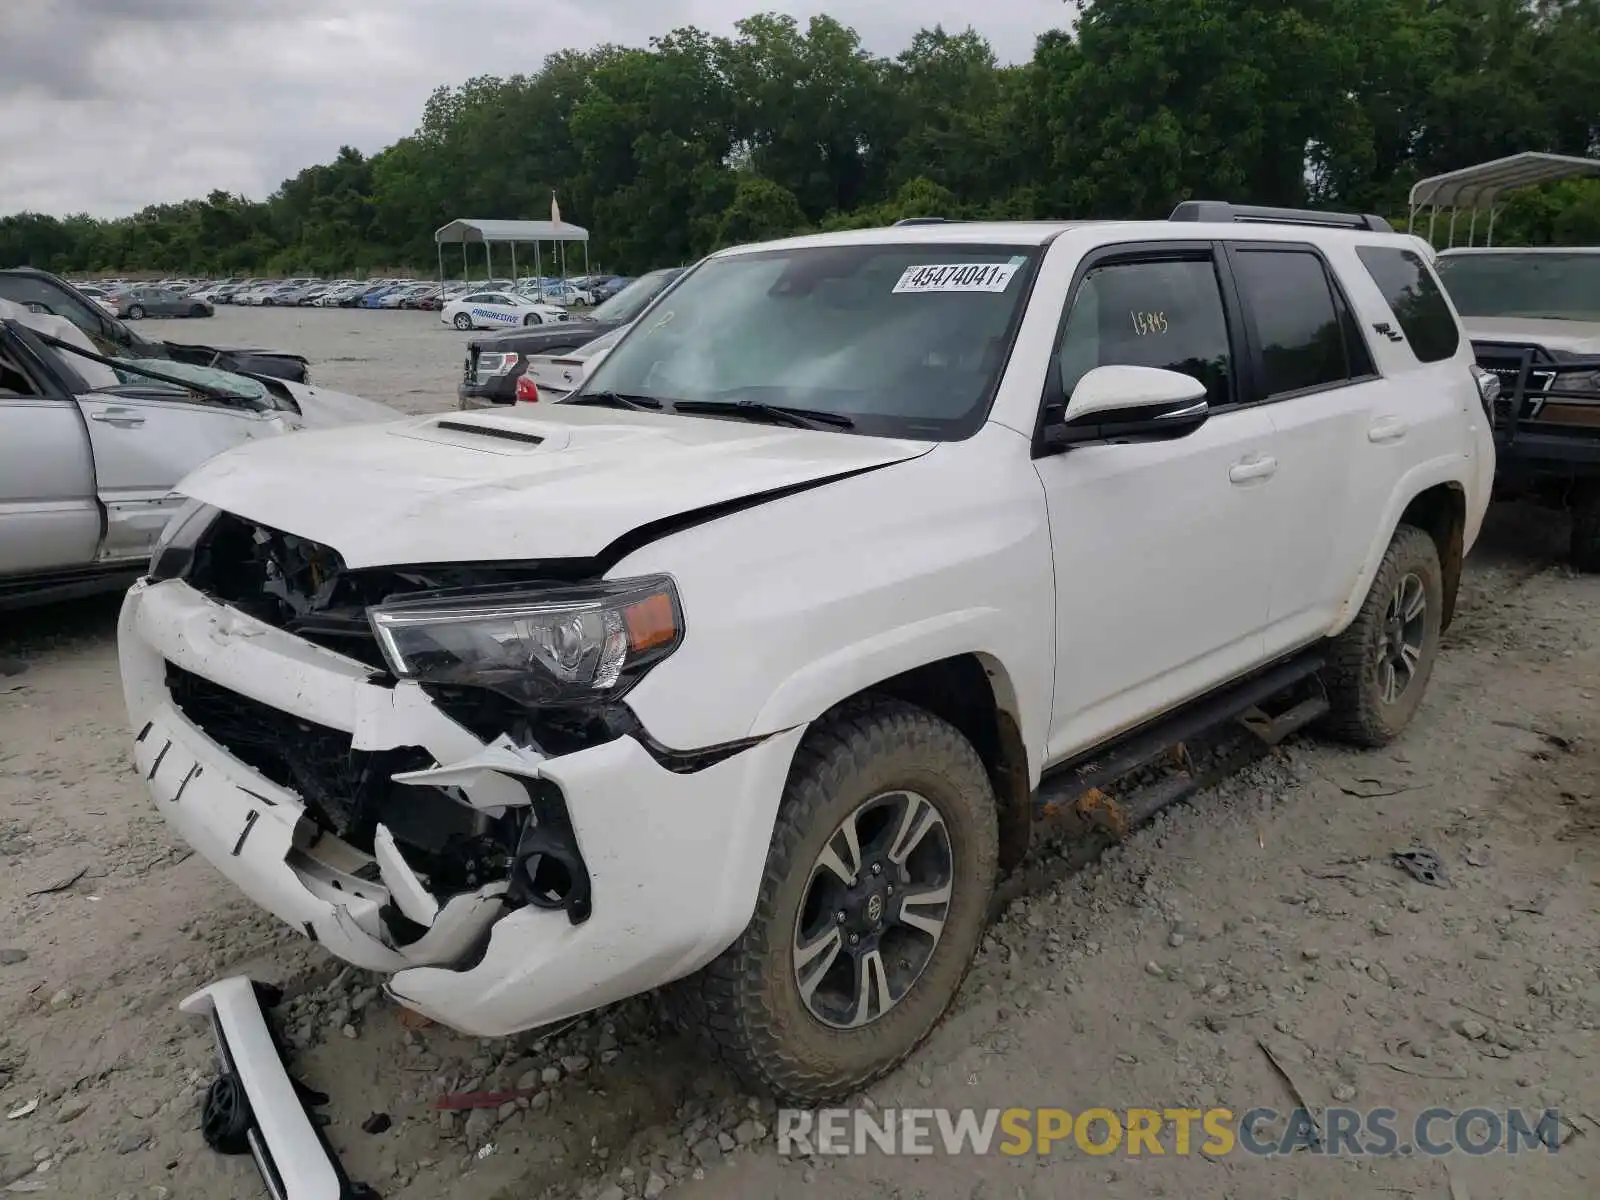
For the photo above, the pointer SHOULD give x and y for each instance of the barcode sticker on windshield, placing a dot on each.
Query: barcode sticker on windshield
(957, 277)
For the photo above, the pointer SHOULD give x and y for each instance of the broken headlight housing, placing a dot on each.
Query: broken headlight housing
(174, 548)
(555, 645)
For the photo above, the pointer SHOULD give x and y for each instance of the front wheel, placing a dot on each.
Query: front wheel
(874, 898)
(136, 312)
(197, 311)
(533, 319)
(1379, 667)
(463, 321)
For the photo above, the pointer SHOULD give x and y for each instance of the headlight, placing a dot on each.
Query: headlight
(173, 549)
(562, 644)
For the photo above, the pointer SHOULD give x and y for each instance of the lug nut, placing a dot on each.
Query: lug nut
(839, 916)
(854, 938)
(877, 868)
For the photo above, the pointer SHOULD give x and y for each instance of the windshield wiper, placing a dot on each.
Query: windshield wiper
(616, 400)
(803, 418)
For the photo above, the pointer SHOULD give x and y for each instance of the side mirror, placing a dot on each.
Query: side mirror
(1129, 404)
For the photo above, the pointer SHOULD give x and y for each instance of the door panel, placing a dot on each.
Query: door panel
(49, 519)
(1343, 434)
(1162, 580)
(144, 446)
(1336, 485)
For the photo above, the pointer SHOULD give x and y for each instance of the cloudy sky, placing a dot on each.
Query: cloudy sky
(109, 105)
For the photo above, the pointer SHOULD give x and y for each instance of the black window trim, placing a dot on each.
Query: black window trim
(1342, 308)
(1188, 250)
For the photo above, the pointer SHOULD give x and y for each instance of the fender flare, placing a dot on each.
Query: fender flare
(849, 670)
(1446, 469)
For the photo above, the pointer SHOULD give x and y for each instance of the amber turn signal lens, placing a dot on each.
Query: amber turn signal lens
(650, 623)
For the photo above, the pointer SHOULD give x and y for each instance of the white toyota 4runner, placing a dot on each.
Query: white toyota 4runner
(746, 666)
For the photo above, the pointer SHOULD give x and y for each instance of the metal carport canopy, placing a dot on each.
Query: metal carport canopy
(1486, 181)
(467, 230)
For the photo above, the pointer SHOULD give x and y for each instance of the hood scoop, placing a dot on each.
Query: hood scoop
(492, 431)
(488, 433)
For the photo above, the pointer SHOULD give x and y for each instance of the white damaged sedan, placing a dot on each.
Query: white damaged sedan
(498, 310)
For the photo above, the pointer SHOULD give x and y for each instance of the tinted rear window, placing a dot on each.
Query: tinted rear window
(1418, 304)
(1302, 340)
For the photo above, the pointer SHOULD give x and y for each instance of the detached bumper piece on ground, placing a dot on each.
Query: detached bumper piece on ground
(255, 1107)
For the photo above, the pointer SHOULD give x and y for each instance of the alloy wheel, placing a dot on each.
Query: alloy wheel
(874, 909)
(1398, 654)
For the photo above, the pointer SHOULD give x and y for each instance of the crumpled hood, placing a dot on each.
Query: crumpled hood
(1574, 337)
(323, 408)
(559, 482)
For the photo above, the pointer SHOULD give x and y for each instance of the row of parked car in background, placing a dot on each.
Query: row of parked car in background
(199, 297)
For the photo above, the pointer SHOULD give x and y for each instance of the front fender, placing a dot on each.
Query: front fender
(820, 684)
(796, 604)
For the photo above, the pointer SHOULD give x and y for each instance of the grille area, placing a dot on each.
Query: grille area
(343, 788)
(1505, 361)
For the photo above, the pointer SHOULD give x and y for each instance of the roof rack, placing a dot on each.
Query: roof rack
(923, 221)
(1221, 212)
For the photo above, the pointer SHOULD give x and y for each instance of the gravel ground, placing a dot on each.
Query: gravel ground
(1264, 911)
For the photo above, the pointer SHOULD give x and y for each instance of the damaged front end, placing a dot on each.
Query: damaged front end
(419, 857)
(419, 846)
(430, 771)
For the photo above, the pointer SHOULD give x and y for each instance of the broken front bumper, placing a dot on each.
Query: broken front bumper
(673, 857)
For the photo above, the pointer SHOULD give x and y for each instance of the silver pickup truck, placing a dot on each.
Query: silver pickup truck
(91, 447)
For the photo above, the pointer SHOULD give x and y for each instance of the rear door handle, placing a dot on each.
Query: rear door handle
(1248, 470)
(124, 418)
(1387, 429)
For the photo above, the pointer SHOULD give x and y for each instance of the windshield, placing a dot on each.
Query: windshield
(1564, 287)
(906, 340)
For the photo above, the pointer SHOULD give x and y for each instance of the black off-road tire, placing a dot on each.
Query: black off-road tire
(1585, 551)
(1359, 714)
(746, 1004)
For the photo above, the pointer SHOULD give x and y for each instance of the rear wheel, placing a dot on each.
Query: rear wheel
(1379, 667)
(874, 897)
(197, 311)
(136, 312)
(463, 321)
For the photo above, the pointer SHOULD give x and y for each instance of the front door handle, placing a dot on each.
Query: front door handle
(1387, 429)
(123, 418)
(1256, 467)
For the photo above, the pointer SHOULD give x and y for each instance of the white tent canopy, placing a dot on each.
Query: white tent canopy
(1479, 188)
(467, 231)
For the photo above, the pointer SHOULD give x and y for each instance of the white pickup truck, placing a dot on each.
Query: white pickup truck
(746, 666)
(91, 447)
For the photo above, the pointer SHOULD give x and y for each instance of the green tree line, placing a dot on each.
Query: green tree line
(698, 141)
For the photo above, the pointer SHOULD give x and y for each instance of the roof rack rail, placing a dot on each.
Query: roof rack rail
(1221, 212)
(923, 221)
